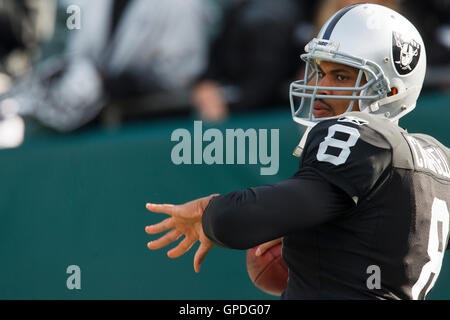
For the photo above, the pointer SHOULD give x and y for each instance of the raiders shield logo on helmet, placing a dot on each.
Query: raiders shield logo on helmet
(406, 54)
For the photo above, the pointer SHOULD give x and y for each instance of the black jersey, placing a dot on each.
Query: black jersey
(365, 217)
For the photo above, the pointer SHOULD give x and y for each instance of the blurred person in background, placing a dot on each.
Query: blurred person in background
(123, 48)
(24, 27)
(253, 58)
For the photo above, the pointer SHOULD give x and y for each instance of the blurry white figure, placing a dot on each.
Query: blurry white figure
(156, 45)
(12, 126)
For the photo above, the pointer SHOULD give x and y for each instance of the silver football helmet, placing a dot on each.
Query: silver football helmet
(386, 48)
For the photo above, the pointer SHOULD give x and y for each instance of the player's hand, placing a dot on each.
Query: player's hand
(185, 219)
(266, 246)
(209, 101)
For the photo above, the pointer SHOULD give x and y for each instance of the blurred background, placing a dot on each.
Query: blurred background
(90, 92)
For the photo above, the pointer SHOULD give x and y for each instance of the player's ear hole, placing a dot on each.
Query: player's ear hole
(393, 92)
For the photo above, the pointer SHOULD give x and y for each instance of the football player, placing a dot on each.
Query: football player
(368, 195)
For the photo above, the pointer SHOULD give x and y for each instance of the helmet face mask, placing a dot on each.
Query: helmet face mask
(389, 62)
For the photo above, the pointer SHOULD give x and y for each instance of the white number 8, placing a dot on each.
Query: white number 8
(345, 146)
(436, 248)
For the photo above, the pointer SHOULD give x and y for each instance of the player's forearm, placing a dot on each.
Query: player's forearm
(246, 218)
(227, 220)
(243, 219)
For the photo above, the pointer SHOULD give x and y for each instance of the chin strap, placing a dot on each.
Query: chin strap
(301, 145)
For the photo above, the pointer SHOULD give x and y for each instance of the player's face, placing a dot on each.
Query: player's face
(333, 74)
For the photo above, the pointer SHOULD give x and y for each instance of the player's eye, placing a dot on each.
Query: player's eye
(321, 74)
(341, 77)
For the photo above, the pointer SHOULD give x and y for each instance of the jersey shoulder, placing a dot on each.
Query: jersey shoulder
(352, 151)
(429, 155)
(355, 132)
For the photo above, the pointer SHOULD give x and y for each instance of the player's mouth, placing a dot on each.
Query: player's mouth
(322, 109)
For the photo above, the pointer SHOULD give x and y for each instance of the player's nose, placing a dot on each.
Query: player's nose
(322, 84)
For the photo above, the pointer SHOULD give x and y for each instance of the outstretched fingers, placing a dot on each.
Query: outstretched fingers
(181, 248)
(168, 238)
(164, 225)
(161, 208)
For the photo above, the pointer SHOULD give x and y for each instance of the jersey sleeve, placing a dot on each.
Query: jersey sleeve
(350, 155)
(245, 218)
